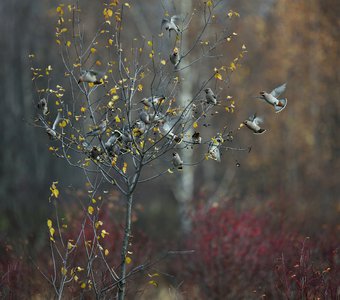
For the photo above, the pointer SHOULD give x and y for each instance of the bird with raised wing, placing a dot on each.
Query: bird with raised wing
(253, 123)
(98, 130)
(42, 105)
(170, 25)
(174, 57)
(91, 76)
(272, 98)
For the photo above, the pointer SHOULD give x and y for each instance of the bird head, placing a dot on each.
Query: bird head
(262, 93)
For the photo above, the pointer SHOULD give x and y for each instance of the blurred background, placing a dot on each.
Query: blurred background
(292, 171)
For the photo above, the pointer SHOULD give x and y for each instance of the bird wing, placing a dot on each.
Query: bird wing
(258, 120)
(164, 22)
(56, 121)
(279, 90)
(173, 19)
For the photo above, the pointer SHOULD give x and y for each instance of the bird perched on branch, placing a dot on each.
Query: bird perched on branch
(272, 98)
(177, 161)
(174, 57)
(196, 138)
(144, 116)
(91, 76)
(154, 101)
(99, 130)
(214, 148)
(210, 96)
(168, 127)
(253, 123)
(42, 105)
(170, 24)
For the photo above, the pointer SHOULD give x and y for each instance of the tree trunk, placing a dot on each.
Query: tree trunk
(125, 244)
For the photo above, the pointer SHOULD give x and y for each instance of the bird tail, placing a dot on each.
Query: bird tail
(281, 105)
(260, 131)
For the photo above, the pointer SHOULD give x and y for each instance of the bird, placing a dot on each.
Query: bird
(272, 98)
(214, 148)
(113, 139)
(170, 25)
(253, 123)
(168, 126)
(144, 116)
(153, 101)
(139, 127)
(98, 130)
(42, 105)
(51, 132)
(95, 152)
(177, 161)
(174, 57)
(90, 76)
(210, 96)
(196, 139)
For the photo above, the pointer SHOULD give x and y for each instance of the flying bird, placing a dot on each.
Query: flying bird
(174, 57)
(272, 98)
(51, 131)
(177, 161)
(210, 96)
(42, 105)
(253, 123)
(90, 76)
(170, 25)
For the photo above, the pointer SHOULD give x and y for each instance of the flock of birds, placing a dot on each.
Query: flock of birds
(151, 116)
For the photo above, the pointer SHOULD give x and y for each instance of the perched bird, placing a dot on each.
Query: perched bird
(214, 148)
(95, 152)
(168, 127)
(177, 161)
(116, 135)
(196, 139)
(153, 101)
(90, 76)
(210, 96)
(170, 25)
(272, 98)
(174, 57)
(253, 123)
(156, 116)
(99, 130)
(42, 105)
(144, 116)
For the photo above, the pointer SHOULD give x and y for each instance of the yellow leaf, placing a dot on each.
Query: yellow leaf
(98, 63)
(107, 12)
(70, 245)
(195, 125)
(114, 161)
(117, 119)
(232, 66)
(150, 43)
(111, 41)
(209, 3)
(68, 43)
(52, 231)
(49, 223)
(63, 123)
(127, 5)
(90, 210)
(163, 62)
(98, 223)
(128, 260)
(104, 233)
(83, 109)
(218, 76)
(152, 282)
(91, 84)
(124, 167)
(106, 252)
(83, 285)
(93, 50)
(54, 190)
(140, 87)
(63, 271)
